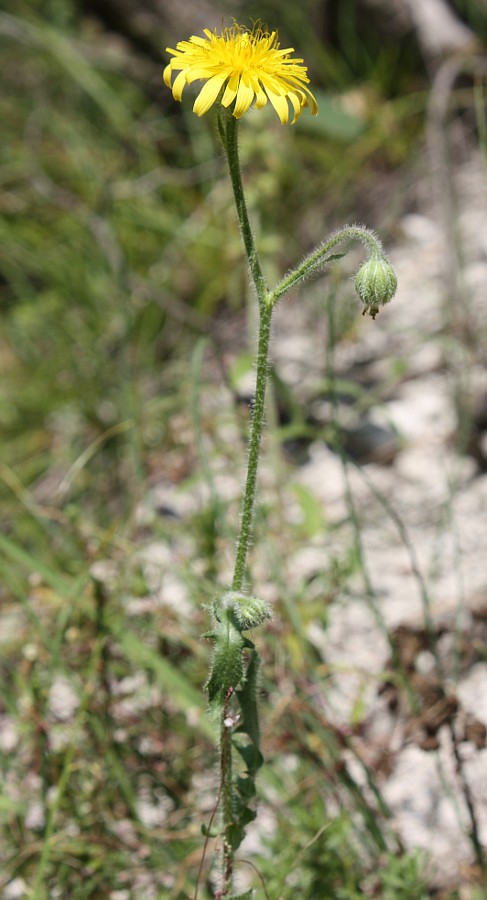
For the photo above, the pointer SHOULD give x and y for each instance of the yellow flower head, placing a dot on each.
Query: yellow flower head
(249, 66)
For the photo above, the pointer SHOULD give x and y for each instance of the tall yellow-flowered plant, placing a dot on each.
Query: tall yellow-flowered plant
(242, 69)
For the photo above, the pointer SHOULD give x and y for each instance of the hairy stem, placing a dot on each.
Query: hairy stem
(318, 259)
(245, 533)
(226, 770)
(228, 126)
(229, 132)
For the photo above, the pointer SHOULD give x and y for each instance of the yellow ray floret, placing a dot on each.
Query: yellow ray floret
(242, 68)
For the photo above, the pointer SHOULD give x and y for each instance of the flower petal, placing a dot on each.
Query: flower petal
(280, 105)
(313, 104)
(208, 94)
(231, 89)
(179, 83)
(297, 103)
(200, 73)
(308, 97)
(167, 75)
(245, 96)
(260, 98)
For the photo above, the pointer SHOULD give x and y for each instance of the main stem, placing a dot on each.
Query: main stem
(258, 411)
(229, 133)
(229, 128)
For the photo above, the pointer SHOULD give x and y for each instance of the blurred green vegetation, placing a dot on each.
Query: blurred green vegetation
(113, 204)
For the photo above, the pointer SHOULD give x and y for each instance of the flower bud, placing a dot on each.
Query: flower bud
(375, 283)
(250, 612)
